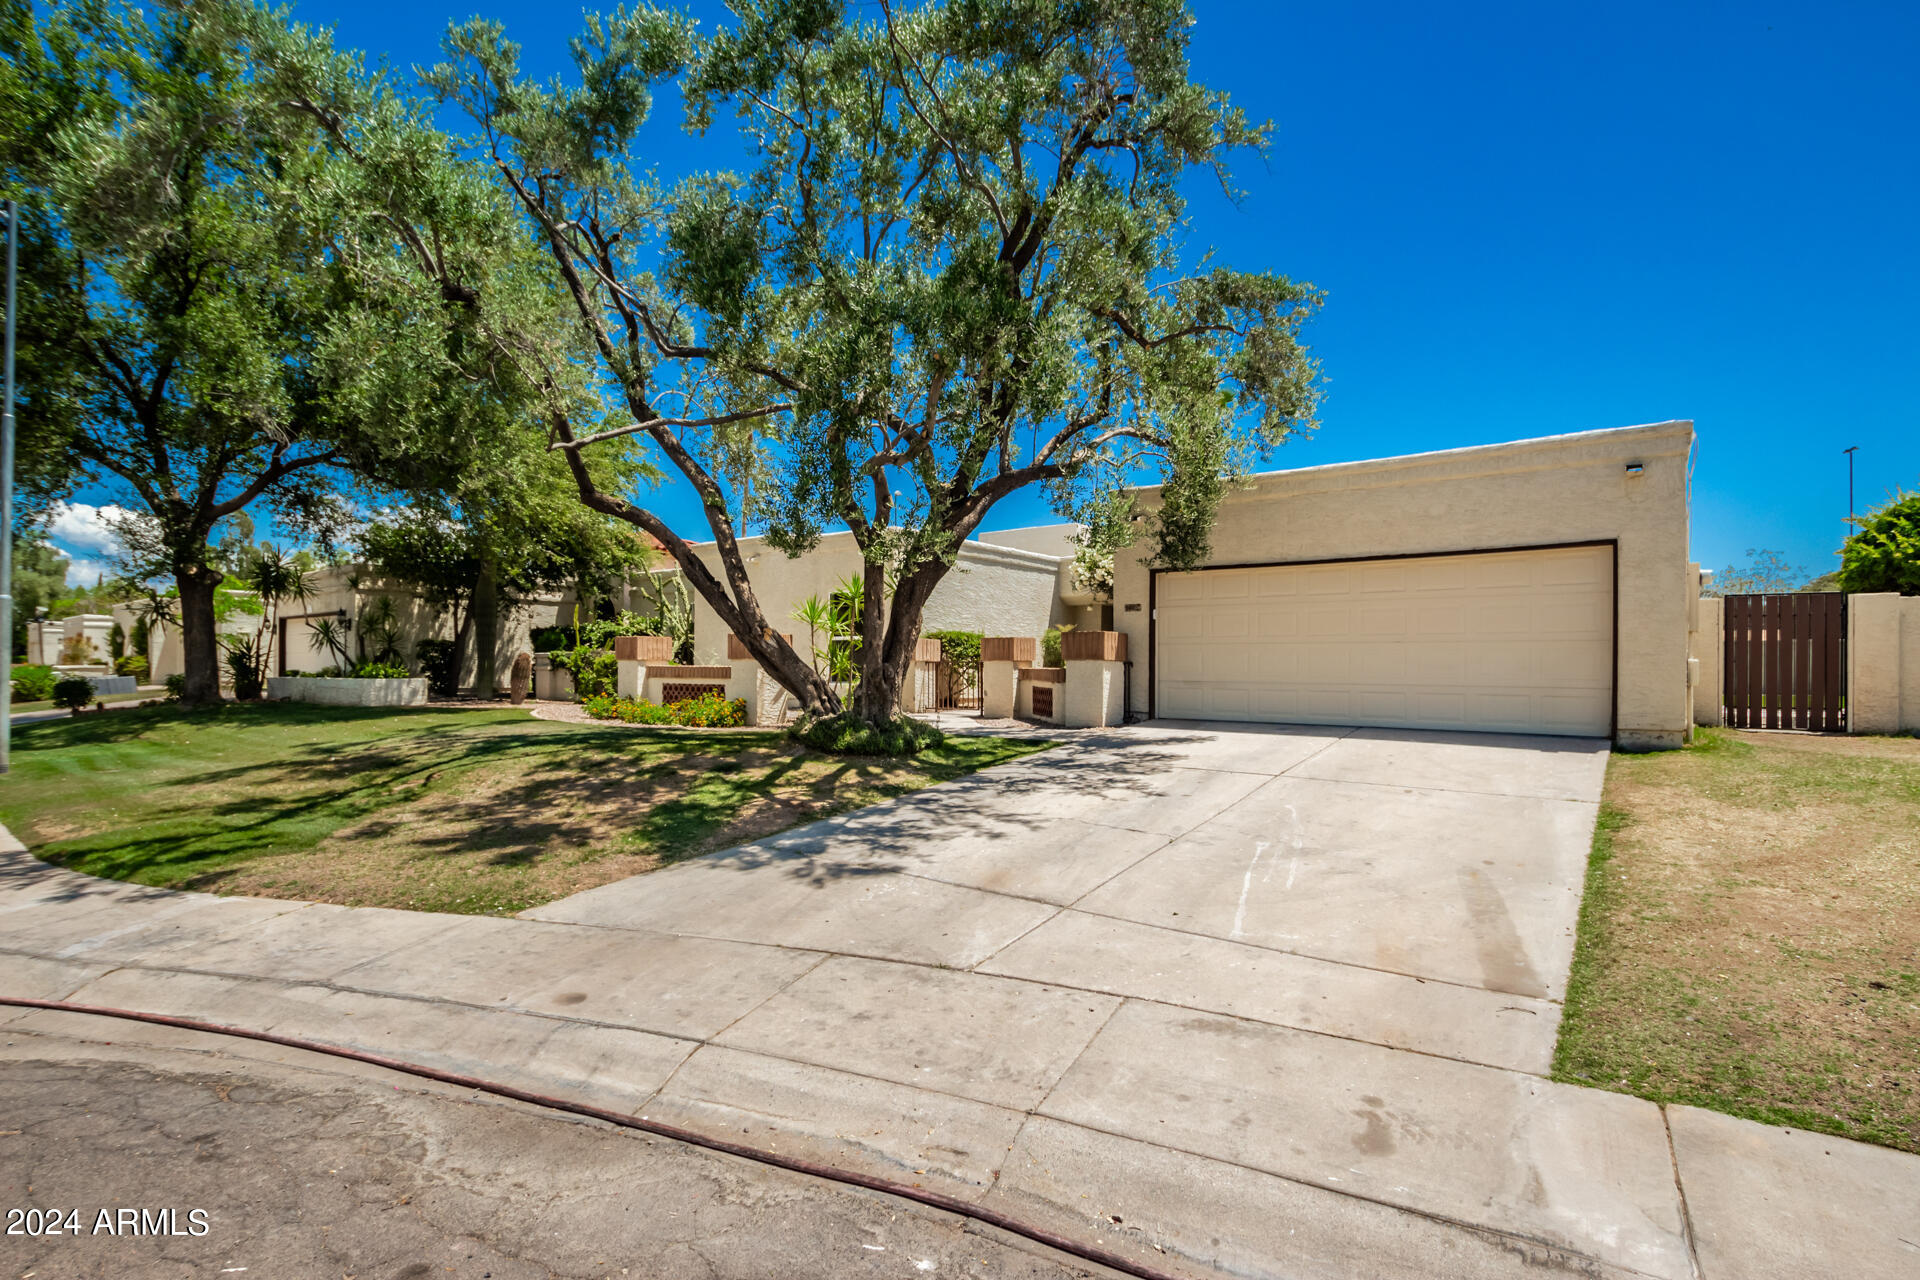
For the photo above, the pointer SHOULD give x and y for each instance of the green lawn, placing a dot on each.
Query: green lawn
(467, 811)
(1750, 936)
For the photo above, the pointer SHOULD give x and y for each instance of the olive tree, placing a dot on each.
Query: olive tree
(956, 268)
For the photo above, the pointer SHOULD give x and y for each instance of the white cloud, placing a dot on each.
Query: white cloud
(76, 526)
(84, 573)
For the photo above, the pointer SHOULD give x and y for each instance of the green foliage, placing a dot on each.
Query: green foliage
(848, 735)
(246, 659)
(32, 683)
(39, 579)
(132, 664)
(331, 635)
(117, 642)
(1107, 524)
(72, 692)
(1050, 645)
(707, 711)
(77, 651)
(440, 663)
(379, 631)
(956, 267)
(380, 671)
(595, 671)
(959, 648)
(1885, 554)
(176, 686)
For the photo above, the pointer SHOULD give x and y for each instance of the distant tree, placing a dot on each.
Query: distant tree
(39, 579)
(1885, 554)
(220, 302)
(1765, 573)
(1106, 525)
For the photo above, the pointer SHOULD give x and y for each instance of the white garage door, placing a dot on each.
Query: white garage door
(1517, 641)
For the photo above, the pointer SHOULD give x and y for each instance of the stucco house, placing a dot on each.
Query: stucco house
(1540, 586)
(1015, 582)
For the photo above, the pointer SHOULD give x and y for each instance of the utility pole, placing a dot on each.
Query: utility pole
(6, 501)
(1849, 451)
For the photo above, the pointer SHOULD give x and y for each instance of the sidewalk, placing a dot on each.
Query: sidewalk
(877, 1009)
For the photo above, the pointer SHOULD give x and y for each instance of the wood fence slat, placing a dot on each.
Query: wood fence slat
(1738, 656)
(1780, 638)
(1801, 679)
(1836, 659)
(1733, 669)
(1817, 664)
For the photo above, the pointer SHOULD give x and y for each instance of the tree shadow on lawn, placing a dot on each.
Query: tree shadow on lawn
(314, 791)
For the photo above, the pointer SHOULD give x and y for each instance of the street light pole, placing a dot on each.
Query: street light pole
(6, 501)
(1848, 451)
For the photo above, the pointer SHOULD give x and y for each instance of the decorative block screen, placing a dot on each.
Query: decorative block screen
(681, 692)
(1043, 700)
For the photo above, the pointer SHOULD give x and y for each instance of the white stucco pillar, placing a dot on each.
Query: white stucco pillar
(1096, 663)
(1709, 642)
(1873, 663)
(632, 656)
(1001, 658)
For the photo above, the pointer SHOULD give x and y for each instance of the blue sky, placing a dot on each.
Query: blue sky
(1530, 219)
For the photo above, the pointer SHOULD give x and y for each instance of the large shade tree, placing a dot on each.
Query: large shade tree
(956, 269)
(226, 301)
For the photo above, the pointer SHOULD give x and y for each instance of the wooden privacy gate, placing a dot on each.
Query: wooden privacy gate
(1786, 662)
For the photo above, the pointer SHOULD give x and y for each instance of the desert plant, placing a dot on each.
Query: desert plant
(32, 683)
(72, 692)
(672, 613)
(247, 661)
(332, 634)
(380, 632)
(274, 577)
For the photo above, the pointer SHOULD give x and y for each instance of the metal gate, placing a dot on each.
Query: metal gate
(1786, 662)
(956, 686)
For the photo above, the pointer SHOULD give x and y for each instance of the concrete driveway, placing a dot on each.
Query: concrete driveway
(1236, 1000)
(1415, 890)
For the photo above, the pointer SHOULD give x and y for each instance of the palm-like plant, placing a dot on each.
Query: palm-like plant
(274, 577)
(331, 633)
(816, 615)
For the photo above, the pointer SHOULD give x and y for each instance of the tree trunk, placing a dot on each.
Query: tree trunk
(886, 657)
(199, 639)
(485, 613)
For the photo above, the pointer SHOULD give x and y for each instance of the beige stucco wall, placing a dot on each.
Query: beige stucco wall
(994, 589)
(1709, 649)
(1556, 489)
(1048, 539)
(1883, 663)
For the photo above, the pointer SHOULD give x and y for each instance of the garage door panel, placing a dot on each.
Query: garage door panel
(1507, 641)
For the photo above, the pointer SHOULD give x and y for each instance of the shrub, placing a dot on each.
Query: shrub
(176, 686)
(77, 651)
(72, 692)
(440, 664)
(247, 660)
(708, 711)
(595, 671)
(848, 735)
(379, 671)
(132, 665)
(1885, 554)
(958, 648)
(1050, 645)
(549, 639)
(32, 683)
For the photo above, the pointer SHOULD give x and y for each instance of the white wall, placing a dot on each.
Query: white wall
(1557, 489)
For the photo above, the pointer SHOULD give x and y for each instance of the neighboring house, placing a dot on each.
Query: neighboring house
(1540, 586)
(1015, 582)
(344, 594)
